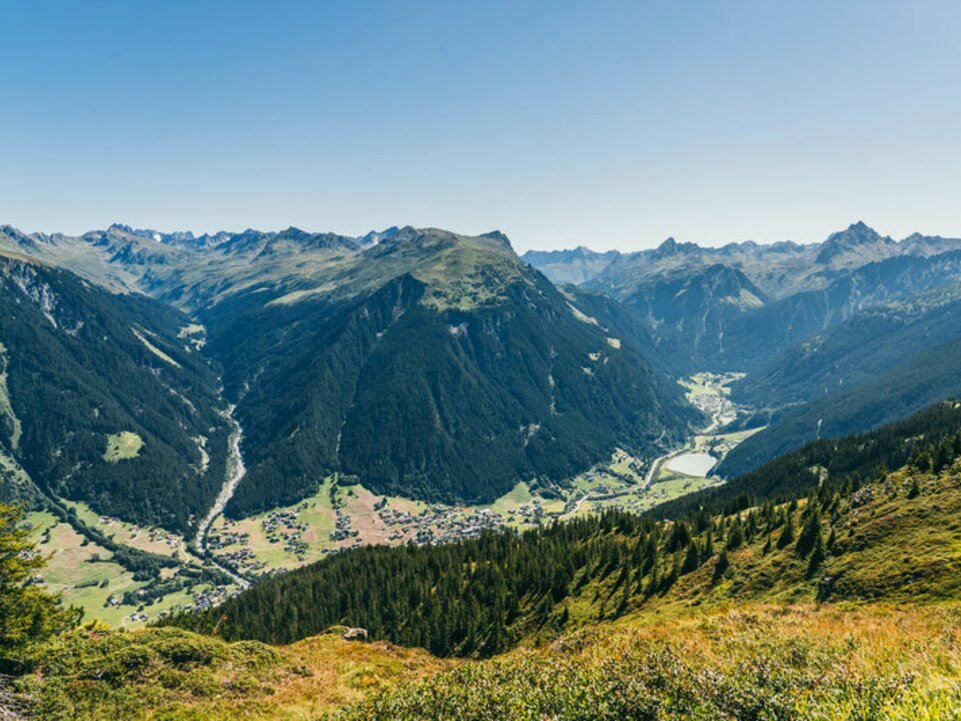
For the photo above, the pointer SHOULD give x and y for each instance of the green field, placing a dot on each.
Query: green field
(84, 573)
(121, 446)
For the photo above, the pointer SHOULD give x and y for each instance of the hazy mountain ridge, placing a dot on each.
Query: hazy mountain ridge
(778, 269)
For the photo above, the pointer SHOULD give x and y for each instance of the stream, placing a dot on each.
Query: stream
(235, 472)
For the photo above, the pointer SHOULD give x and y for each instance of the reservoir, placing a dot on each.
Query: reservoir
(692, 464)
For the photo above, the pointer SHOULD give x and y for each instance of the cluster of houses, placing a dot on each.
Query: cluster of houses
(244, 559)
(154, 535)
(284, 527)
(201, 600)
(438, 524)
(342, 529)
(224, 537)
(716, 405)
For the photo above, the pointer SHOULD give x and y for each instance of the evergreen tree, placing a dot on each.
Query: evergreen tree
(28, 614)
(817, 556)
(691, 559)
(915, 490)
(810, 533)
(735, 536)
(787, 533)
(721, 566)
(832, 542)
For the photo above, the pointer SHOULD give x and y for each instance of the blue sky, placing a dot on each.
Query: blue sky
(610, 124)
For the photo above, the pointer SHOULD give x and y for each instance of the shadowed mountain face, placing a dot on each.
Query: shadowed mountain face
(445, 384)
(423, 362)
(104, 399)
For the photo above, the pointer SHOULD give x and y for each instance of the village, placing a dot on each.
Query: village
(343, 514)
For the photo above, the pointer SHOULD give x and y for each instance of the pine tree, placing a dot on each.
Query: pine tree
(810, 533)
(721, 566)
(817, 556)
(691, 559)
(787, 534)
(832, 542)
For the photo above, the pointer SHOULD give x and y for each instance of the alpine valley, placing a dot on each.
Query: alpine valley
(687, 482)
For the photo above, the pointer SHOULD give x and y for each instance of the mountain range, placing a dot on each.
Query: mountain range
(835, 337)
(303, 382)
(429, 364)
(439, 366)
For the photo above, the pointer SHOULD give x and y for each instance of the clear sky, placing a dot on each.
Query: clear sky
(609, 124)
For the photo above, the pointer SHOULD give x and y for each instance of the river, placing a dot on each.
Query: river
(235, 472)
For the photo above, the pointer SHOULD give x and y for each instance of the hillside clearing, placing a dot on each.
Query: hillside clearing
(122, 446)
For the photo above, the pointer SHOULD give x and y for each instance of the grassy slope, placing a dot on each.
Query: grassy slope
(173, 674)
(754, 644)
(764, 663)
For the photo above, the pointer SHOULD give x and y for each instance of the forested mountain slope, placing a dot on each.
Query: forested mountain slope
(844, 541)
(426, 363)
(103, 399)
(861, 348)
(441, 367)
(906, 387)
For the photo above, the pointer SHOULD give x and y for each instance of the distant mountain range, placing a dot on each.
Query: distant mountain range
(440, 366)
(835, 337)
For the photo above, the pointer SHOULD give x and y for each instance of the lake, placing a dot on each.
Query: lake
(692, 464)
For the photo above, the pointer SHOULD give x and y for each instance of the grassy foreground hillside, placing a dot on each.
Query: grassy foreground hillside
(755, 662)
(173, 674)
(764, 663)
(841, 605)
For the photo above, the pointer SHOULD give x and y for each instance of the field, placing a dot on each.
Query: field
(83, 572)
(153, 540)
(121, 446)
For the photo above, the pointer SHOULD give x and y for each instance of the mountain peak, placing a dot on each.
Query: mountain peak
(671, 247)
(668, 246)
(498, 236)
(855, 235)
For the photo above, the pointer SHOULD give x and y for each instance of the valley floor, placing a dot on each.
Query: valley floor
(338, 517)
